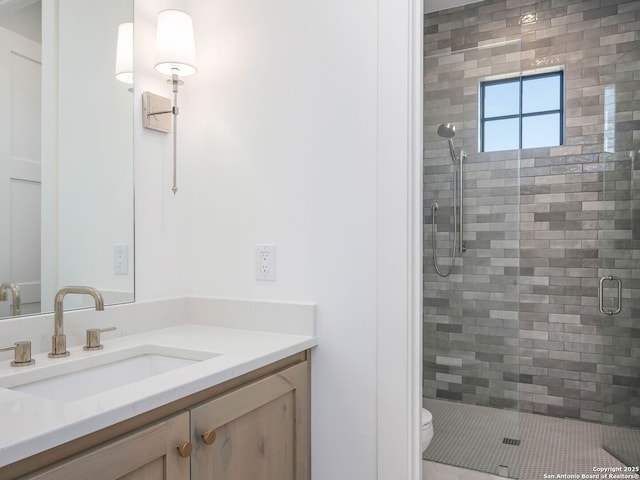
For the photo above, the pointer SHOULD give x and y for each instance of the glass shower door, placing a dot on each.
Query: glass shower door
(619, 252)
(471, 374)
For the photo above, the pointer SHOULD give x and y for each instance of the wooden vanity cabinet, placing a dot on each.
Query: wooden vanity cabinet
(253, 427)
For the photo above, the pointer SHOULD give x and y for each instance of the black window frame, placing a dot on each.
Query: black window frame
(520, 80)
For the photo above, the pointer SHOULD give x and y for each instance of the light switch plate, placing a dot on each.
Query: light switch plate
(121, 259)
(152, 103)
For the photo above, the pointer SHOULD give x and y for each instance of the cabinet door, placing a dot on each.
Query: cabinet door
(148, 454)
(262, 431)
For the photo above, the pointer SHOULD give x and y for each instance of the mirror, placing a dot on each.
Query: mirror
(66, 154)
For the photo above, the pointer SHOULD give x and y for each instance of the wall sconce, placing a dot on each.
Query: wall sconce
(176, 57)
(124, 54)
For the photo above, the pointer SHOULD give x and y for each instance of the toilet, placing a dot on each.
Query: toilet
(426, 429)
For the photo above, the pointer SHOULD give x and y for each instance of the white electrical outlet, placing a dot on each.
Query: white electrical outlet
(121, 259)
(265, 262)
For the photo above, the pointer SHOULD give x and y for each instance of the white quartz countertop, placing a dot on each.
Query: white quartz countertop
(32, 424)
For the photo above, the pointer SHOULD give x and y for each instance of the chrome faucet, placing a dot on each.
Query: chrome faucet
(16, 308)
(59, 339)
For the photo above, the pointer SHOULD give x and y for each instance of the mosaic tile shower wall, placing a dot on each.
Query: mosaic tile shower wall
(517, 325)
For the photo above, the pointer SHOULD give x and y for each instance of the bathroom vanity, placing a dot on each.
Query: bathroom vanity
(238, 407)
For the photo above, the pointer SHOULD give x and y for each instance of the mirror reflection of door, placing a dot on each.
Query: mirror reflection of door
(20, 86)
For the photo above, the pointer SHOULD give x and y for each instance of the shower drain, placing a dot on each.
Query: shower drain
(511, 441)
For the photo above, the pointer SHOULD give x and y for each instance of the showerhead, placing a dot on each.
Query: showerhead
(447, 130)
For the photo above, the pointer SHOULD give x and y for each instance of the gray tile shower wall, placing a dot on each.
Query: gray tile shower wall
(517, 325)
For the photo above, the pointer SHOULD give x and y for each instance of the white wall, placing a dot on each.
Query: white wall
(281, 142)
(160, 217)
(281, 123)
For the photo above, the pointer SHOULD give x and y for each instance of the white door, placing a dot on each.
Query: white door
(20, 99)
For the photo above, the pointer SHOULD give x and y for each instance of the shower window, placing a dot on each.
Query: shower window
(521, 112)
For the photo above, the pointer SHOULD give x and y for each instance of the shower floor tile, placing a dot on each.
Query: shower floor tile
(439, 471)
(474, 437)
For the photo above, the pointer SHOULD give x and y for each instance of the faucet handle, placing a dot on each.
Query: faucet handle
(22, 356)
(93, 337)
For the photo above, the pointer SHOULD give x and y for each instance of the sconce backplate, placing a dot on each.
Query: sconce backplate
(152, 104)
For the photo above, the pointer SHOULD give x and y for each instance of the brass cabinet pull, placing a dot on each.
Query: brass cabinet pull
(185, 449)
(208, 436)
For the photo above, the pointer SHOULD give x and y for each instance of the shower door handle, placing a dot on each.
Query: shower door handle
(610, 278)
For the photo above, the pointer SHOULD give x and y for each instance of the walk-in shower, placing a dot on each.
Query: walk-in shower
(448, 131)
(531, 346)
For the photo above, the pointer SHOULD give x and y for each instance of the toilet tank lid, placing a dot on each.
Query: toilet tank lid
(426, 416)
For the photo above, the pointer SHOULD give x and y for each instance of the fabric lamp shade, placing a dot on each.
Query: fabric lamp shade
(124, 53)
(175, 47)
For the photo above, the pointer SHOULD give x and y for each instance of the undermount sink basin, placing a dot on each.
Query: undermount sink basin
(91, 375)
